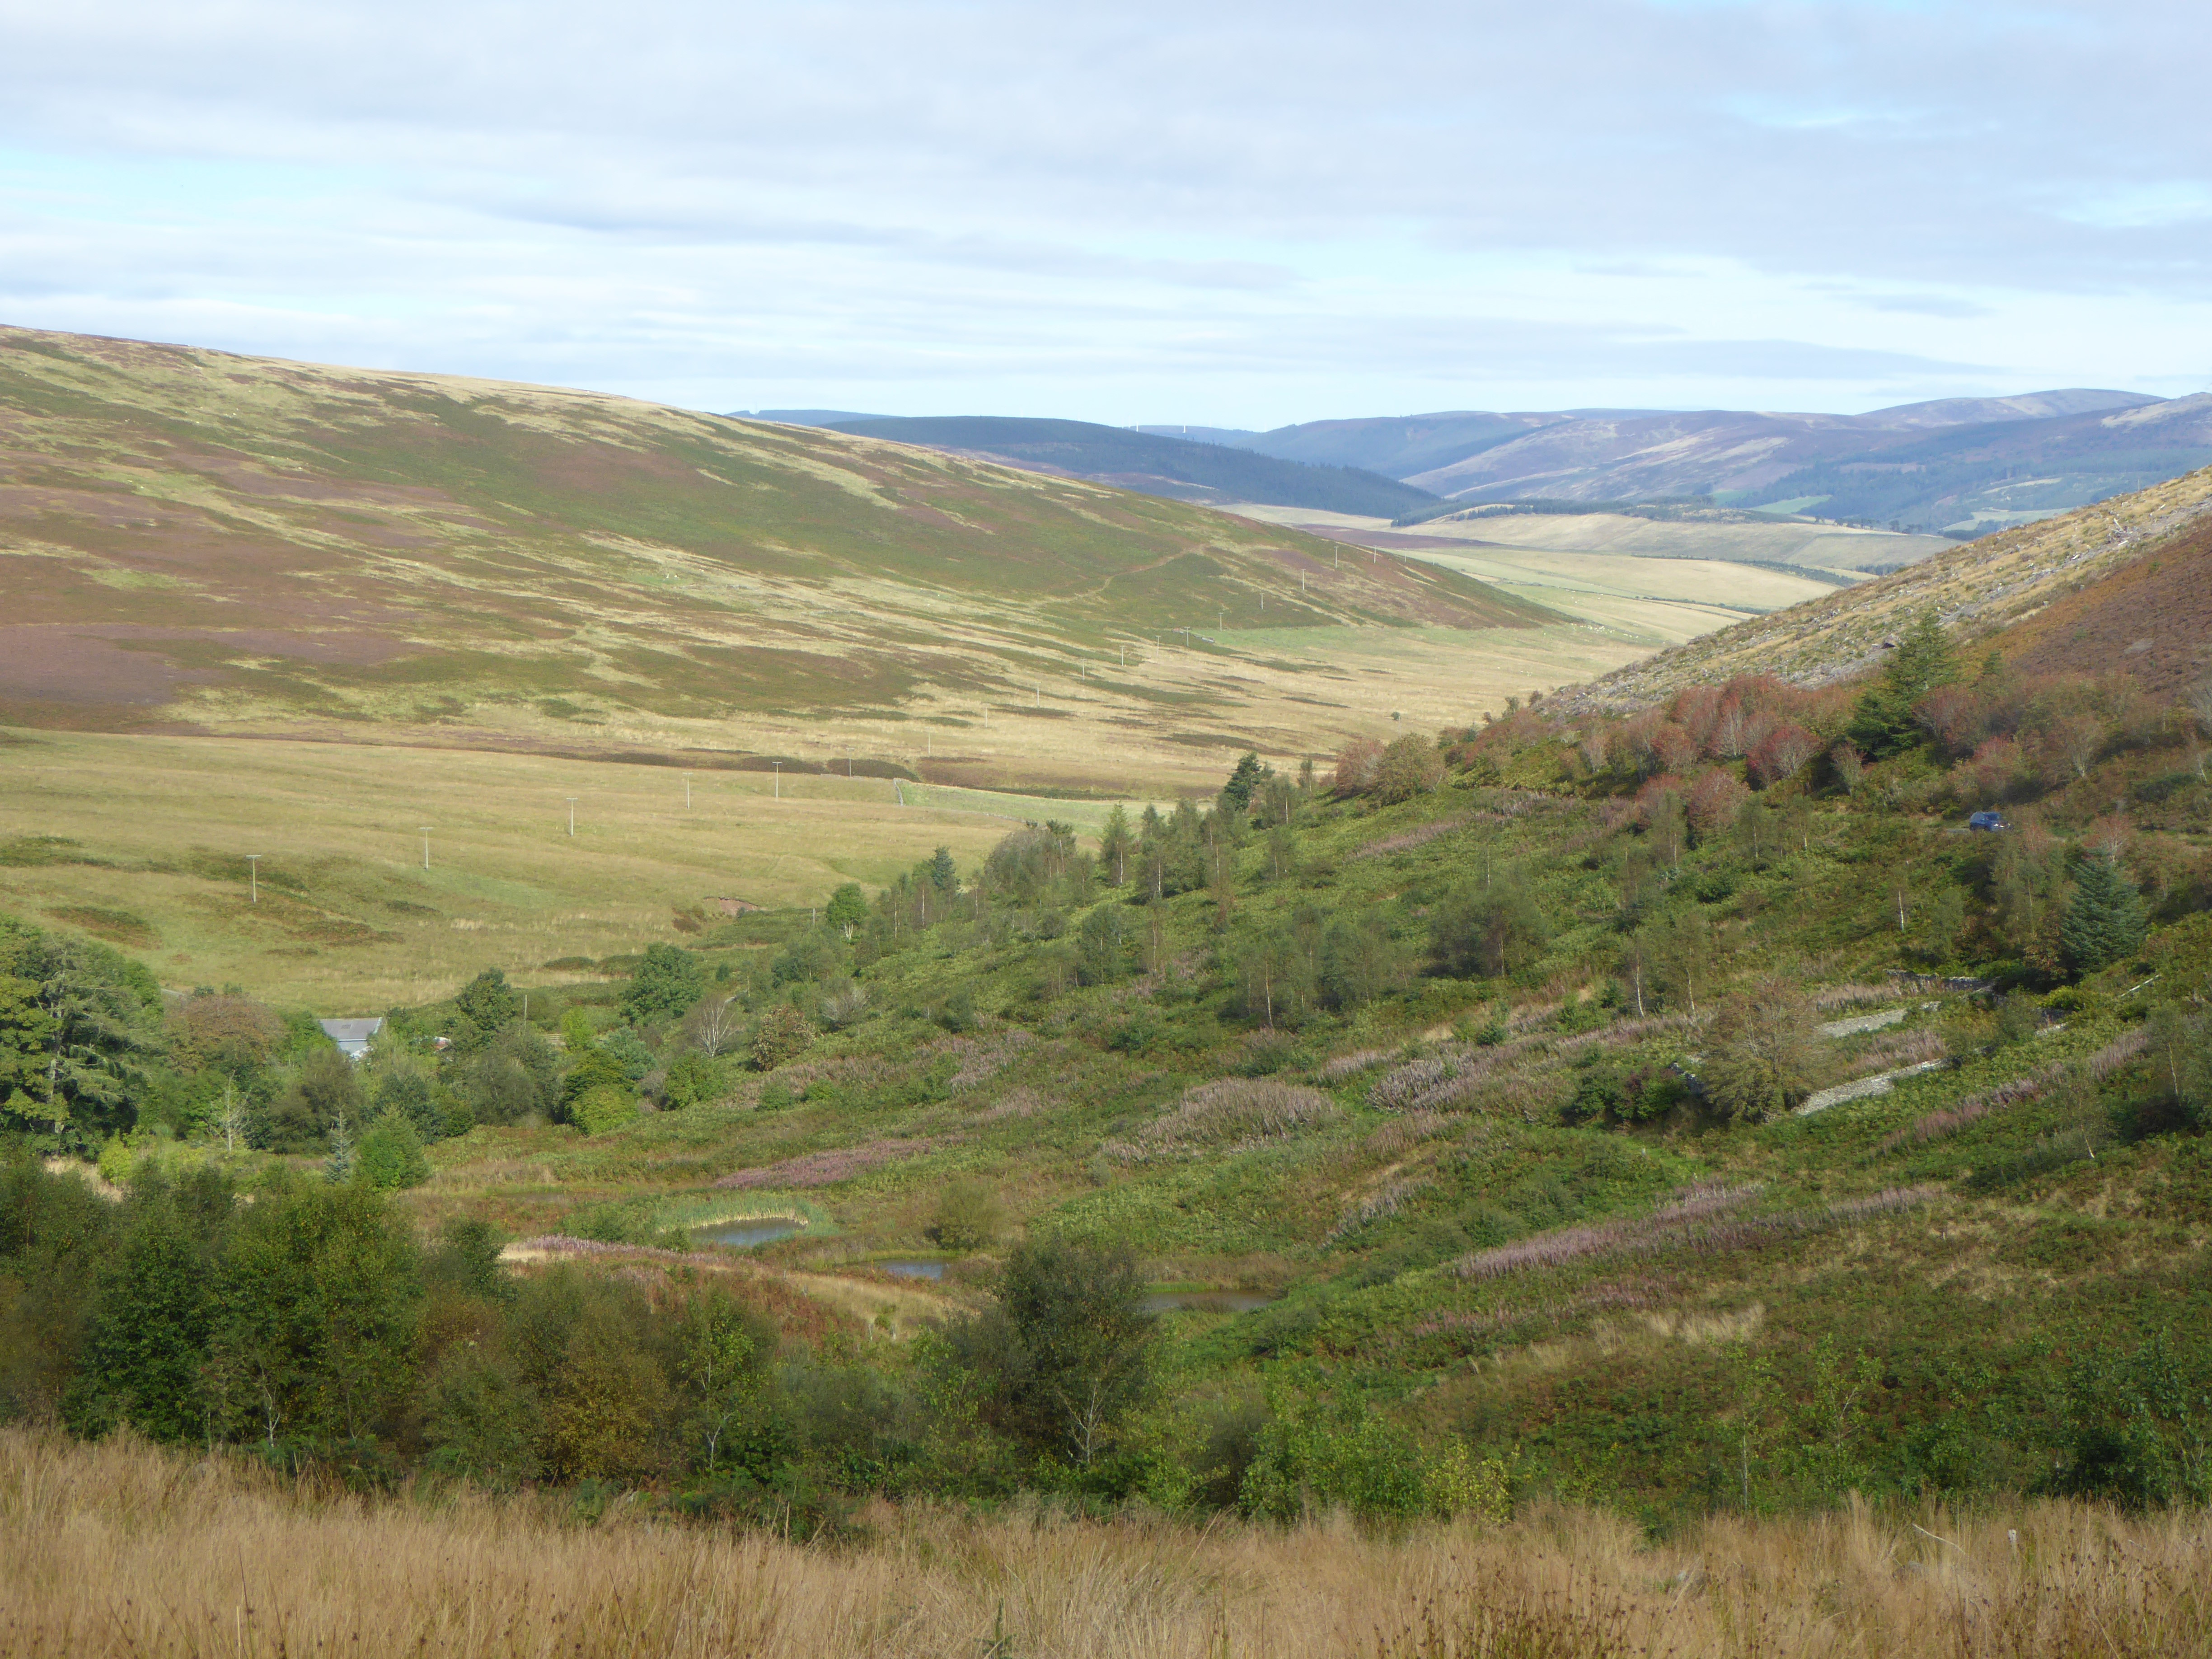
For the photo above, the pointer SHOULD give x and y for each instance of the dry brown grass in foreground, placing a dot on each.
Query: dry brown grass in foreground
(123, 1548)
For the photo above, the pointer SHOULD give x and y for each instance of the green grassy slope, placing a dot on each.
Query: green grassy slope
(201, 541)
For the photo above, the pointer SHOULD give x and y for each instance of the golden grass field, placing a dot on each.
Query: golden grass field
(349, 921)
(1822, 546)
(121, 1549)
(1174, 720)
(142, 840)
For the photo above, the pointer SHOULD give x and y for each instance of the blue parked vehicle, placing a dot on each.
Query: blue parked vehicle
(1991, 821)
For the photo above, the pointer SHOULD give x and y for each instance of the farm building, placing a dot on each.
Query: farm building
(351, 1035)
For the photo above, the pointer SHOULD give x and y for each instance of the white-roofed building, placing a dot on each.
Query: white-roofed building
(351, 1035)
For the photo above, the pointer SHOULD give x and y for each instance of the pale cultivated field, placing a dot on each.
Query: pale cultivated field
(1649, 602)
(1389, 681)
(1645, 583)
(1829, 547)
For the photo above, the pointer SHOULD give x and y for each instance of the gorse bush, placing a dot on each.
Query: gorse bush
(664, 984)
(968, 1217)
(390, 1154)
(784, 1035)
(606, 1108)
(693, 1078)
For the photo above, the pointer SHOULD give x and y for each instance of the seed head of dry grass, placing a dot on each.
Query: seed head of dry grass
(120, 1547)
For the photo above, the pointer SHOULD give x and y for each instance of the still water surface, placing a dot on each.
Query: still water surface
(1234, 1302)
(746, 1235)
(912, 1269)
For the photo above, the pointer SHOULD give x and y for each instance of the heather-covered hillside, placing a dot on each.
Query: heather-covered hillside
(204, 543)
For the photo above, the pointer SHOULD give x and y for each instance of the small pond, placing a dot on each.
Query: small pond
(747, 1234)
(912, 1269)
(1224, 1301)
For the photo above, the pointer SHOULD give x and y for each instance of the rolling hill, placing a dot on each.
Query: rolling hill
(1397, 447)
(1155, 465)
(1965, 466)
(1990, 476)
(196, 542)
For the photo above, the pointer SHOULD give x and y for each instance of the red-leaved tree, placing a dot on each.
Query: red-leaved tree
(1783, 753)
(1714, 801)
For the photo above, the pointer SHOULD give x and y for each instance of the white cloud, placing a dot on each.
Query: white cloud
(1245, 212)
(2141, 206)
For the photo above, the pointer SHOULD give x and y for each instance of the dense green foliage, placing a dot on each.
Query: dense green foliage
(2103, 922)
(1885, 722)
(77, 1020)
(666, 984)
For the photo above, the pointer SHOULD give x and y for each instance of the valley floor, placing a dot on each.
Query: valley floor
(143, 841)
(1644, 582)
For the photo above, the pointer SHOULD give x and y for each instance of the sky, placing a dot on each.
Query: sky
(1224, 214)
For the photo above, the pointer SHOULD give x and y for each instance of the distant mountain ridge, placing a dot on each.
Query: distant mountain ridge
(1960, 466)
(2029, 406)
(1964, 466)
(804, 416)
(1179, 468)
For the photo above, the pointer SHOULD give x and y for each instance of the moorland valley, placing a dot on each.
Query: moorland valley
(1413, 1121)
